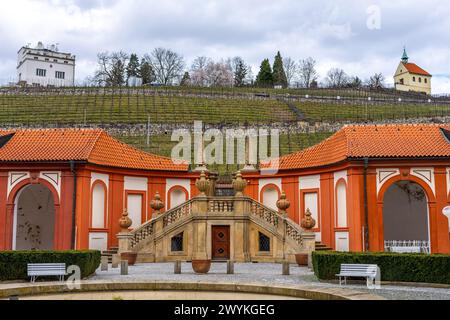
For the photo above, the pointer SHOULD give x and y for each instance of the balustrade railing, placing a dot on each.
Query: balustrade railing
(177, 213)
(268, 215)
(407, 246)
(225, 205)
(147, 229)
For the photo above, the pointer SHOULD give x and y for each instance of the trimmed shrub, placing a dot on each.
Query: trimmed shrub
(402, 267)
(13, 264)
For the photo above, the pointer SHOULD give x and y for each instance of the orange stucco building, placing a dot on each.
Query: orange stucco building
(89, 178)
(368, 187)
(347, 179)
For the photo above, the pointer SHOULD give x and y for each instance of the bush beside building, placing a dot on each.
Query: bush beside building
(13, 264)
(394, 266)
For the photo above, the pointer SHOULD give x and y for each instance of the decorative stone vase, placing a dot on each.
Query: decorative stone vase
(201, 266)
(308, 223)
(302, 259)
(283, 204)
(156, 204)
(125, 222)
(202, 184)
(239, 185)
(131, 257)
(211, 191)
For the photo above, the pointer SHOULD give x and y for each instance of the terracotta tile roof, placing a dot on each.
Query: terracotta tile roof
(414, 68)
(91, 145)
(385, 141)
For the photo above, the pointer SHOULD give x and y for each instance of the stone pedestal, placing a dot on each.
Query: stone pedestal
(286, 268)
(124, 242)
(230, 267)
(115, 261)
(177, 267)
(124, 268)
(104, 263)
(309, 245)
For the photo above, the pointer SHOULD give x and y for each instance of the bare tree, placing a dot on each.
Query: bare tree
(166, 64)
(219, 74)
(198, 71)
(290, 68)
(336, 78)
(111, 68)
(307, 72)
(376, 81)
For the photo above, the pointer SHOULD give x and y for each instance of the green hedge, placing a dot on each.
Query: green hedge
(394, 266)
(13, 264)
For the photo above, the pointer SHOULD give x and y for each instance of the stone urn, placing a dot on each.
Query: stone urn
(125, 222)
(131, 257)
(283, 204)
(201, 266)
(308, 223)
(156, 204)
(211, 190)
(202, 184)
(302, 259)
(239, 185)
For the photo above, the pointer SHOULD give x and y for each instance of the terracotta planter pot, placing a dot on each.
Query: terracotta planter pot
(201, 266)
(302, 259)
(130, 257)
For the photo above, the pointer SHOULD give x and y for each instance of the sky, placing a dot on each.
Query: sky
(360, 36)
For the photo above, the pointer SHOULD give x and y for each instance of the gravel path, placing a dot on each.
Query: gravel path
(265, 273)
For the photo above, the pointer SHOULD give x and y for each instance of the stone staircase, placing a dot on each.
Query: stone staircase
(322, 247)
(109, 253)
(247, 217)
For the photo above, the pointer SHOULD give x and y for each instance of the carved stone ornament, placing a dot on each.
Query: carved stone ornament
(308, 223)
(156, 204)
(283, 204)
(125, 222)
(202, 184)
(239, 184)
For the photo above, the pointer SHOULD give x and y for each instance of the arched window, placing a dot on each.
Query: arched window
(341, 205)
(270, 195)
(98, 206)
(177, 196)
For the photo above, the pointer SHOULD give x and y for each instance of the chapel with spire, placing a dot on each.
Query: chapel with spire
(410, 77)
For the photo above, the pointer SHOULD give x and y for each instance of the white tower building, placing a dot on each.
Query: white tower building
(42, 66)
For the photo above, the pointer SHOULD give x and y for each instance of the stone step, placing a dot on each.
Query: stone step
(322, 247)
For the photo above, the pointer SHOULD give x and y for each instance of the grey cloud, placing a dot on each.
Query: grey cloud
(333, 32)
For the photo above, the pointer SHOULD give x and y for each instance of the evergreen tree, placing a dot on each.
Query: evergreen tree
(133, 67)
(186, 80)
(279, 74)
(265, 76)
(147, 73)
(240, 72)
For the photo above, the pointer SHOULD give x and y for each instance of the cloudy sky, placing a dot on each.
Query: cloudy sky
(348, 34)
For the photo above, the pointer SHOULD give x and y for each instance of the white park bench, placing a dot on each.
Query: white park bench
(46, 269)
(369, 271)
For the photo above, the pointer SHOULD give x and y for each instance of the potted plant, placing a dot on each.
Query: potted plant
(302, 259)
(201, 266)
(130, 257)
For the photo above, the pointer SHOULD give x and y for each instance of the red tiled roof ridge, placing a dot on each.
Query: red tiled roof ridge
(414, 68)
(376, 141)
(93, 145)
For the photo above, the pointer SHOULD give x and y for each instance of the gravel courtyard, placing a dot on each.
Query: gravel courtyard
(263, 273)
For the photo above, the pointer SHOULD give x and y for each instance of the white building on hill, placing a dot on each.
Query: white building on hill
(42, 66)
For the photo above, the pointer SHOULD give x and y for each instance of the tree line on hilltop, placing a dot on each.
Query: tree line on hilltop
(166, 67)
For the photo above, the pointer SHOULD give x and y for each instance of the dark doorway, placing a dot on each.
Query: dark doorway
(34, 219)
(405, 214)
(221, 243)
